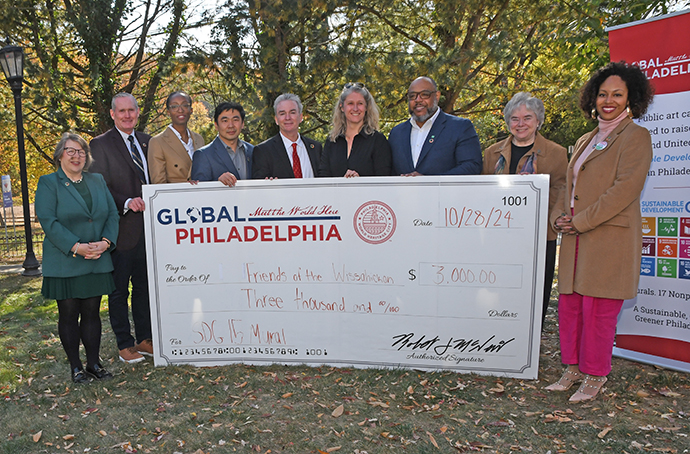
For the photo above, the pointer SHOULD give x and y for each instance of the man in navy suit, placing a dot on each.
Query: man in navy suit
(433, 142)
(120, 156)
(288, 154)
(228, 158)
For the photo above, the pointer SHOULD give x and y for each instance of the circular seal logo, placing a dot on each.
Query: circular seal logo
(374, 222)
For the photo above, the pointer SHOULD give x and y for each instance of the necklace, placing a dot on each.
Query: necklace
(76, 181)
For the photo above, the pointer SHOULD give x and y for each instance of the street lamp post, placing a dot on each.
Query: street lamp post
(12, 60)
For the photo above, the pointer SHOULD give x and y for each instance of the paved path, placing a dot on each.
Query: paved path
(11, 269)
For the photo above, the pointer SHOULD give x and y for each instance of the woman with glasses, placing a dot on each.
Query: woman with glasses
(80, 221)
(354, 146)
(525, 151)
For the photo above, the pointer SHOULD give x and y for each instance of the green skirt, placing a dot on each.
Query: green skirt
(86, 286)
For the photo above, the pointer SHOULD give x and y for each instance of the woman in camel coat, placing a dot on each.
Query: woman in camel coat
(601, 223)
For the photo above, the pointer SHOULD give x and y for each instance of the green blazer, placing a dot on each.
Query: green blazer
(66, 220)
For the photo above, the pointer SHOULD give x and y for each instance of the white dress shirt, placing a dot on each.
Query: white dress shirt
(189, 145)
(418, 135)
(305, 162)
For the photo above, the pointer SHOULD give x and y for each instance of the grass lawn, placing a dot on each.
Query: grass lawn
(279, 409)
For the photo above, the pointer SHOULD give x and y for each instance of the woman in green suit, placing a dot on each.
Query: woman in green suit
(80, 221)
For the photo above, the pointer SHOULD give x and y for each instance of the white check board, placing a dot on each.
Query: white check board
(426, 272)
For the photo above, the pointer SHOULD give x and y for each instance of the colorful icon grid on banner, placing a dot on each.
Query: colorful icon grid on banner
(666, 247)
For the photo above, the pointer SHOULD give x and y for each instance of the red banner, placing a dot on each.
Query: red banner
(654, 327)
(661, 48)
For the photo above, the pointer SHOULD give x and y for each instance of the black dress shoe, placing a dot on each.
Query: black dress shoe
(98, 372)
(79, 376)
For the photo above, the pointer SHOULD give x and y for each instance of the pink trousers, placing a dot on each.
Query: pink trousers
(587, 327)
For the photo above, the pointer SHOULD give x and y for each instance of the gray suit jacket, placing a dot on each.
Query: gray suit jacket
(213, 160)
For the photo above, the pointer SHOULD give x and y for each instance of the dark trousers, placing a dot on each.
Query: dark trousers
(548, 276)
(130, 265)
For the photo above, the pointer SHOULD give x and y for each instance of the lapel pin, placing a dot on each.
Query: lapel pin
(601, 145)
(311, 145)
(432, 139)
(66, 183)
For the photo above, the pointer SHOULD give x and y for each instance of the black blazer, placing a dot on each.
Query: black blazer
(111, 159)
(270, 158)
(370, 156)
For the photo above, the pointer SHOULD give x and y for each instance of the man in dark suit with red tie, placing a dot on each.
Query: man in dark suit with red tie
(288, 154)
(120, 156)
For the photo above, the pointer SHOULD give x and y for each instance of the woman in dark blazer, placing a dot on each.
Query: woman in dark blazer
(354, 146)
(80, 221)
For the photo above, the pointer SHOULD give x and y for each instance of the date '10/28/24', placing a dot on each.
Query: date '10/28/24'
(496, 218)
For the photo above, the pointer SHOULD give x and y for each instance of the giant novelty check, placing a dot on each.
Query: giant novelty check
(426, 272)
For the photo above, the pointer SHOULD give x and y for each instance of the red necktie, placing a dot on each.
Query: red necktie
(296, 164)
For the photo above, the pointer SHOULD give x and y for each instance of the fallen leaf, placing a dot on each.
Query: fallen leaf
(603, 433)
(642, 393)
(338, 411)
(410, 390)
(37, 436)
(286, 395)
(68, 437)
(333, 449)
(668, 393)
(498, 389)
(103, 433)
(433, 441)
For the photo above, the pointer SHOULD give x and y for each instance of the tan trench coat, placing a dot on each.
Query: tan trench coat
(607, 215)
(168, 159)
(552, 159)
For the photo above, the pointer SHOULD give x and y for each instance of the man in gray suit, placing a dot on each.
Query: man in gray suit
(228, 158)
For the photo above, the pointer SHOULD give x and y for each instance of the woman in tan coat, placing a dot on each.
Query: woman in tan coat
(526, 151)
(601, 247)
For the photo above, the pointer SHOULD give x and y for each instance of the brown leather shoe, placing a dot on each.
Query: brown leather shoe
(130, 355)
(145, 347)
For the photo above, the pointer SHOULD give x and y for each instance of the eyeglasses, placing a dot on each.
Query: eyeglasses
(425, 94)
(75, 151)
(184, 106)
(354, 84)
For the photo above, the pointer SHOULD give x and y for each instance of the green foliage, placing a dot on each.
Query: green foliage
(78, 54)
(81, 52)
(480, 53)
